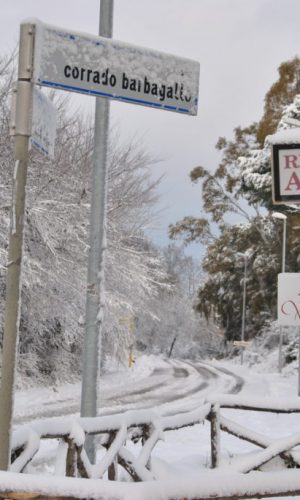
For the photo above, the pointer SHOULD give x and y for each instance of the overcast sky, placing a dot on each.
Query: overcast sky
(239, 44)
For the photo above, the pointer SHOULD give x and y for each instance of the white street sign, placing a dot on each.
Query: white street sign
(107, 68)
(43, 123)
(288, 305)
(241, 343)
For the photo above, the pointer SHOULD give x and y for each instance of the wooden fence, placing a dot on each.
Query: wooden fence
(112, 433)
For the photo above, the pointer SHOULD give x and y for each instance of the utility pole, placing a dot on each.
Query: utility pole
(244, 307)
(298, 361)
(22, 131)
(95, 280)
(283, 218)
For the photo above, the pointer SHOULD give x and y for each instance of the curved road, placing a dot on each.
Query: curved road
(172, 387)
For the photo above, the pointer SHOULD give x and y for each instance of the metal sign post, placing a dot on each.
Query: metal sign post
(13, 280)
(298, 361)
(95, 285)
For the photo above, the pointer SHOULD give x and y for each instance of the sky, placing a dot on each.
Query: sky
(239, 44)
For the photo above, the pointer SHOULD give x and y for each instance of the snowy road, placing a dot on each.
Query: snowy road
(168, 386)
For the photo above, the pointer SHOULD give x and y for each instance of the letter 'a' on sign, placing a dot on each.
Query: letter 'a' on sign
(116, 70)
(285, 166)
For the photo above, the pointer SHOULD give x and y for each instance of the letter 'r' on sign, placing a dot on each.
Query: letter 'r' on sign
(290, 161)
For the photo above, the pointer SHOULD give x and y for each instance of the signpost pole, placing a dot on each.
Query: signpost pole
(95, 285)
(244, 308)
(299, 362)
(283, 270)
(13, 281)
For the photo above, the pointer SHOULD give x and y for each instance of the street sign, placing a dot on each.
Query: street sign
(286, 166)
(241, 343)
(288, 305)
(43, 123)
(107, 68)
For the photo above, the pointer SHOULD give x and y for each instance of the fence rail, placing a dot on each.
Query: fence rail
(72, 466)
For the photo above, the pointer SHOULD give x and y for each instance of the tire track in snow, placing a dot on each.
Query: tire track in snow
(180, 387)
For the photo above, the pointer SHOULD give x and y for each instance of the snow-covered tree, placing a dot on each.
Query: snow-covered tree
(56, 248)
(241, 186)
(170, 325)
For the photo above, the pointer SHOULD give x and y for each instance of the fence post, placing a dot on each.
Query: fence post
(112, 470)
(215, 435)
(71, 458)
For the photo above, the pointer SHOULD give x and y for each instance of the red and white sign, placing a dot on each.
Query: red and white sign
(286, 173)
(288, 305)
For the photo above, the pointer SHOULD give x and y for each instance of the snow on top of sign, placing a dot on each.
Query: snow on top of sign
(96, 44)
(96, 38)
(286, 136)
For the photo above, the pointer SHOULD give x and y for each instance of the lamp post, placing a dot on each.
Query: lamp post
(245, 257)
(280, 216)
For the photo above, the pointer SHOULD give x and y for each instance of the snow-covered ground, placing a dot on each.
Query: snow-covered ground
(168, 386)
(186, 452)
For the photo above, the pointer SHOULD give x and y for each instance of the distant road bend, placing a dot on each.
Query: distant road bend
(175, 387)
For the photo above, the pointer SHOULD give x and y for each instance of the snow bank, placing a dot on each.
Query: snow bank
(210, 484)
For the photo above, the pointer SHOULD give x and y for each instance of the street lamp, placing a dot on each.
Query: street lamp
(245, 256)
(280, 216)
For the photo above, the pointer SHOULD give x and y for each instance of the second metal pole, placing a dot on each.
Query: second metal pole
(95, 284)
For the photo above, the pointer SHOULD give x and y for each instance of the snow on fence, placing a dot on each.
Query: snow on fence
(272, 448)
(75, 477)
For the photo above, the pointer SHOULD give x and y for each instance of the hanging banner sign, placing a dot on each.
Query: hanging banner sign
(286, 173)
(107, 68)
(43, 123)
(288, 305)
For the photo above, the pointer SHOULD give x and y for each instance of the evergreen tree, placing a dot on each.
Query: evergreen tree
(56, 241)
(281, 94)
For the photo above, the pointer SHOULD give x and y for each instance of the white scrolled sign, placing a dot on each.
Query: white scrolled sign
(104, 67)
(43, 124)
(288, 305)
